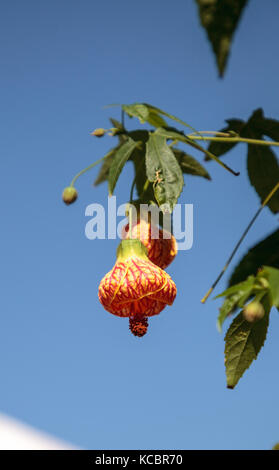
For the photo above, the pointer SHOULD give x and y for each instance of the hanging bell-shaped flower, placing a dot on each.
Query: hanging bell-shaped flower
(136, 287)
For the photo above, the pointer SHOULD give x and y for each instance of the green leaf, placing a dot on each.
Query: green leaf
(272, 275)
(139, 135)
(159, 111)
(121, 132)
(155, 119)
(253, 127)
(138, 158)
(163, 171)
(174, 134)
(104, 170)
(270, 128)
(262, 164)
(220, 148)
(144, 113)
(145, 191)
(145, 194)
(243, 343)
(117, 124)
(137, 110)
(256, 127)
(220, 20)
(140, 174)
(190, 165)
(264, 253)
(120, 158)
(263, 171)
(241, 286)
(236, 297)
(171, 133)
(227, 309)
(260, 125)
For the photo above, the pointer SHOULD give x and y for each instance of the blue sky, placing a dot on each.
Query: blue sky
(67, 366)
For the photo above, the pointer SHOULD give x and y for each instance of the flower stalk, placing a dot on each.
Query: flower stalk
(233, 139)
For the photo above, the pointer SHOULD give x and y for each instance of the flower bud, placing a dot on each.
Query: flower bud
(253, 311)
(69, 195)
(161, 251)
(98, 132)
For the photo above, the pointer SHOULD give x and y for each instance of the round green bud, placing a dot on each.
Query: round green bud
(98, 132)
(69, 195)
(253, 311)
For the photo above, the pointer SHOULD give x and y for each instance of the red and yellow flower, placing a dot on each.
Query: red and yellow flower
(160, 249)
(136, 287)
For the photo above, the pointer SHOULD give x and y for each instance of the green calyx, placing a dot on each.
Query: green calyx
(129, 248)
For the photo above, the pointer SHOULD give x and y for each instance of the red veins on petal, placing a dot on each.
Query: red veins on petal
(136, 287)
(161, 251)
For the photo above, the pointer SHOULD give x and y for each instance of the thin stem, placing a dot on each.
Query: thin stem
(145, 187)
(211, 155)
(231, 256)
(135, 177)
(235, 139)
(86, 169)
(112, 105)
(174, 142)
(221, 134)
(267, 199)
(132, 188)
(130, 222)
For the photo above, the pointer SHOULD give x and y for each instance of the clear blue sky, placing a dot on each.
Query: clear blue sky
(67, 366)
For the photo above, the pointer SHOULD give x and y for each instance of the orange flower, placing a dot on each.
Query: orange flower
(135, 287)
(160, 251)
